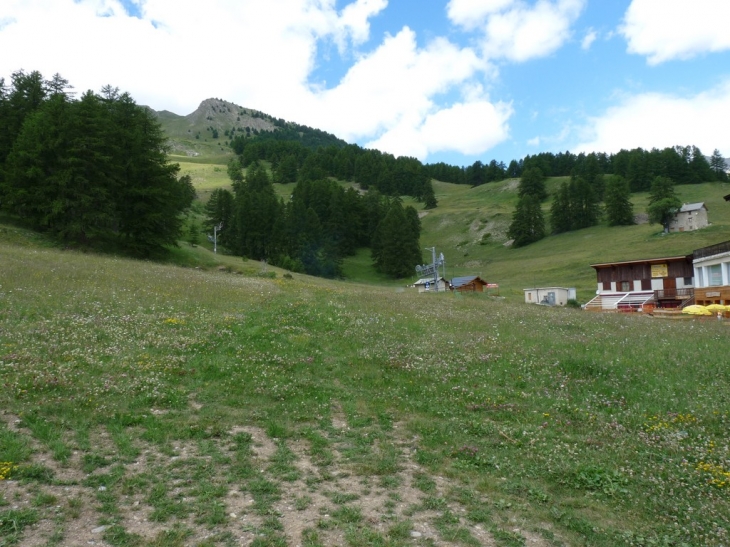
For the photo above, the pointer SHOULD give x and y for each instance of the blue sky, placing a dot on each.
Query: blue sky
(452, 80)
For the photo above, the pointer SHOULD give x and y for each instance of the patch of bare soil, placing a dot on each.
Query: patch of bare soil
(262, 446)
(326, 496)
(641, 218)
(511, 185)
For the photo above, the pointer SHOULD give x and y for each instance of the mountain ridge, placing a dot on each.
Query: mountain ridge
(208, 130)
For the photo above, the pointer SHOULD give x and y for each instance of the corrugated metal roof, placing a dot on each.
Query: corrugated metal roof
(425, 280)
(459, 281)
(687, 207)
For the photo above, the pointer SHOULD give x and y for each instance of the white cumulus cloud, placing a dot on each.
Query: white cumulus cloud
(263, 55)
(657, 120)
(588, 39)
(397, 82)
(517, 30)
(664, 30)
(468, 128)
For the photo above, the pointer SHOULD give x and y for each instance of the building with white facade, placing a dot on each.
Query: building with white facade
(712, 274)
(427, 284)
(549, 296)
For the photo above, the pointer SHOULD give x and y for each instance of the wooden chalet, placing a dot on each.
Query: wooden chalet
(633, 285)
(468, 284)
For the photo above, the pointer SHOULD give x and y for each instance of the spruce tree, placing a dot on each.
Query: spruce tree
(583, 204)
(560, 215)
(148, 195)
(429, 197)
(718, 166)
(532, 183)
(700, 167)
(397, 249)
(256, 211)
(619, 209)
(528, 223)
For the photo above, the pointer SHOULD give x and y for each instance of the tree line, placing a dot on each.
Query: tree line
(293, 161)
(319, 225)
(683, 164)
(92, 170)
(577, 202)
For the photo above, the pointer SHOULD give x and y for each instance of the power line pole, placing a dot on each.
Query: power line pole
(216, 229)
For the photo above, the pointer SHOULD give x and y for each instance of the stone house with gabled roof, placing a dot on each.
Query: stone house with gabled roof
(691, 216)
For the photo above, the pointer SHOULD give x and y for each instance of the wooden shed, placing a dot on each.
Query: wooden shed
(470, 283)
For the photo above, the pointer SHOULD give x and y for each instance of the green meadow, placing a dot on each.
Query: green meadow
(215, 401)
(470, 225)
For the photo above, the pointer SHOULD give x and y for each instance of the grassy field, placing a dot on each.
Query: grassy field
(470, 227)
(464, 215)
(157, 405)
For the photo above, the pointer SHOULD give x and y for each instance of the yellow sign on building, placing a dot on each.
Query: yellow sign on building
(659, 270)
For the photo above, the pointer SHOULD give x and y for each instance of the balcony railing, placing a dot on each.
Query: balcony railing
(674, 294)
(712, 250)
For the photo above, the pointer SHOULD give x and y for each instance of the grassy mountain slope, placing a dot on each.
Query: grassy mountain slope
(457, 227)
(204, 135)
(146, 404)
(470, 227)
(470, 224)
(223, 116)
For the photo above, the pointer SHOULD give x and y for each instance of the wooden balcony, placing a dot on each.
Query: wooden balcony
(674, 298)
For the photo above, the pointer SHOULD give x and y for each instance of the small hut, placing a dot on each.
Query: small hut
(427, 284)
(470, 283)
(549, 296)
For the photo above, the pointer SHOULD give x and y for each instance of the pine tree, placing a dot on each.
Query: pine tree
(561, 219)
(286, 170)
(583, 204)
(429, 197)
(700, 167)
(235, 172)
(618, 205)
(93, 170)
(148, 195)
(397, 250)
(528, 223)
(256, 212)
(193, 232)
(718, 166)
(532, 183)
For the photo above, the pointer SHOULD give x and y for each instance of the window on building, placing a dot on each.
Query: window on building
(687, 281)
(715, 275)
(625, 286)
